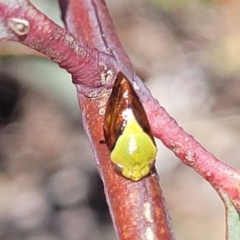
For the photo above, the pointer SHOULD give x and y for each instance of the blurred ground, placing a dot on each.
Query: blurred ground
(187, 52)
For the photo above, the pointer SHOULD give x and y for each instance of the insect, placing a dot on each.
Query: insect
(127, 132)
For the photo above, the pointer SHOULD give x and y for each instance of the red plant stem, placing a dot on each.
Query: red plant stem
(90, 21)
(137, 208)
(82, 62)
(221, 176)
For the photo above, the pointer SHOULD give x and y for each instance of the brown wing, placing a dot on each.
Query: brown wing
(122, 97)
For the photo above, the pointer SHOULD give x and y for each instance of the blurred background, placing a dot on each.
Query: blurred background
(187, 52)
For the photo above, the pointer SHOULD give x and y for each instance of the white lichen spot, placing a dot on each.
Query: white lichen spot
(106, 76)
(208, 174)
(101, 111)
(101, 104)
(105, 92)
(69, 38)
(74, 45)
(20, 26)
(135, 86)
(102, 64)
(93, 94)
(190, 158)
(109, 50)
(147, 212)
(149, 234)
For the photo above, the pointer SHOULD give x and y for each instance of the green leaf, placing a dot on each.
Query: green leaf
(232, 218)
